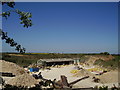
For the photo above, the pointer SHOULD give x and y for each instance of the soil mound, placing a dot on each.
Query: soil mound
(11, 68)
(84, 72)
(105, 57)
(109, 77)
(91, 59)
(24, 80)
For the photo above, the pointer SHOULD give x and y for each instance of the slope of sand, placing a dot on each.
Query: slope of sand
(11, 68)
(23, 80)
(109, 77)
(83, 73)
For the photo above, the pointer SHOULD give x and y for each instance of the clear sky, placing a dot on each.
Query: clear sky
(65, 27)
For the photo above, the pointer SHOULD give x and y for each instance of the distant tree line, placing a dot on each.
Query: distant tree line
(104, 53)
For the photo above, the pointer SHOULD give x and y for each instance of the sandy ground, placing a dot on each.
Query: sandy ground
(55, 73)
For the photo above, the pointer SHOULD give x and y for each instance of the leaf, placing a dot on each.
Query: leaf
(6, 14)
(25, 18)
(11, 4)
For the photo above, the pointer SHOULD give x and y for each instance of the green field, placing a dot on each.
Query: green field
(29, 58)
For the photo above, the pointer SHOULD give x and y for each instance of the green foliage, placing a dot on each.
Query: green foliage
(112, 64)
(10, 4)
(11, 42)
(24, 17)
(99, 62)
(19, 60)
(83, 59)
(6, 14)
(29, 58)
(103, 87)
(25, 20)
(104, 53)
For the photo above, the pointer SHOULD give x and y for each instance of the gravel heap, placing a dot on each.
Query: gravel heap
(10, 67)
(24, 80)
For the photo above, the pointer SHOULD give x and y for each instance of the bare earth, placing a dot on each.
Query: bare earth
(55, 73)
(108, 78)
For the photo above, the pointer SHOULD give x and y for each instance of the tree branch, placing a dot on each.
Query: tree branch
(11, 42)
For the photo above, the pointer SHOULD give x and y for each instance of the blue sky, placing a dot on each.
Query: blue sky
(65, 27)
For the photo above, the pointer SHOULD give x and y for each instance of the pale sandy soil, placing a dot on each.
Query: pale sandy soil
(10, 67)
(55, 73)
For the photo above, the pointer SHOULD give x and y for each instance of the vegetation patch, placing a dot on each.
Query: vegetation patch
(112, 64)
